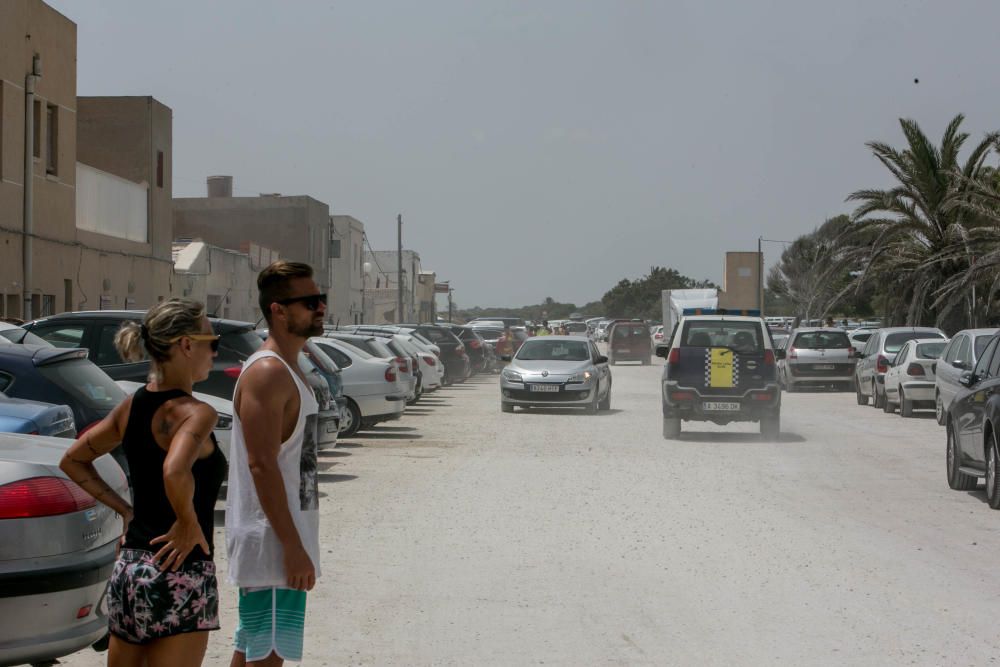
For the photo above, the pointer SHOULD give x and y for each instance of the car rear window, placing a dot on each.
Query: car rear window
(237, 346)
(895, 341)
(822, 340)
(742, 337)
(489, 334)
(930, 350)
(861, 337)
(84, 381)
(625, 331)
(539, 349)
(19, 335)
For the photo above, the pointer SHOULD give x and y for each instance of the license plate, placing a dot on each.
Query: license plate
(824, 367)
(720, 406)
(551, 388)
(623, 350)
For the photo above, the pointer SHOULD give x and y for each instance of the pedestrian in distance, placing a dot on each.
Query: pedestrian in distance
(272, 510)
(163, 595)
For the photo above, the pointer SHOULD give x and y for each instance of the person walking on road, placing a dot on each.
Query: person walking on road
(163, 595)
(272, 513)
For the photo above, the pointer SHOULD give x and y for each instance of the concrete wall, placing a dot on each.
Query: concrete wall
(224, 280)
(384, 274)
(741, 286)
(346, 272)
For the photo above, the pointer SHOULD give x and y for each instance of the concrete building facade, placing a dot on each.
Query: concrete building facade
(385, 273)
(347, 276)
(224, 280)
(742, 287)
(298, 227)
(96, 266)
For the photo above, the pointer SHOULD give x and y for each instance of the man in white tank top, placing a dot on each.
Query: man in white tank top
(272, 508)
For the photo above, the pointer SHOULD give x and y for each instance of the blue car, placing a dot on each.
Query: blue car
(35, 418)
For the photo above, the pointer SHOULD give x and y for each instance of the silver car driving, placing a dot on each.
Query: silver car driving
(557, 371)
(817, 357)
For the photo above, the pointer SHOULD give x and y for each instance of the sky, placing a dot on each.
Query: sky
(549, 148)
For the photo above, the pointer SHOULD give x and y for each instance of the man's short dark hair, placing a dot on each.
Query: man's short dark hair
(274, 283)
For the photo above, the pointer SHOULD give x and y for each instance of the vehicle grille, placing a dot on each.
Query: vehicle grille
(546, 397)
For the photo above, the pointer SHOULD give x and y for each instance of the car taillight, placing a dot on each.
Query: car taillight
(882, 364)
(850, 353)
(915, 370)
(768, 357)
(793, 353)
(674, 357)
(760, 396)
(404, 364)
(390, 373)
(658, 336)
(42, 496)
(233, 371)
(431, 361)
(681, 396)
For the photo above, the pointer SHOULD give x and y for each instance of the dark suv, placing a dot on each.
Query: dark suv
(720, 369)
(629, 341)
(95, 330)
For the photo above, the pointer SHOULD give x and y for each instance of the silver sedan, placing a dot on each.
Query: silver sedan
(557, 371)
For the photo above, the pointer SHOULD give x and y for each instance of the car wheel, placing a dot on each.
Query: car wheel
(992, 463)
(595, 402)
(861, 398)
(878, 401)
(770, 426)
(506, 407)
(887, 406)
(350, 422)
(938, 409)
(957, 479)
(671, 428)
(905, 406)
(606, 403)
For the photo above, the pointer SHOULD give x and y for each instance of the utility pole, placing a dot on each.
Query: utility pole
(399, 269)
(760, 276)
(450, 290)
(27, 222)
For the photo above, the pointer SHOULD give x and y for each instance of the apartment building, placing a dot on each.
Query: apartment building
(224, 280)
(98, 176)
(347, 270)
(388, 283)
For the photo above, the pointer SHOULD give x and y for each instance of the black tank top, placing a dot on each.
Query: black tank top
(152, 513)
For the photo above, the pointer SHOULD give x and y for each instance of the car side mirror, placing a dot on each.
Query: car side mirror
(601, 360)
(662, 352)
(960, 365)
(779, 354)
(967, 379)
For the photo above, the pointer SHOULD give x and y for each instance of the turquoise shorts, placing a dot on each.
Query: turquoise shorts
(271, 620)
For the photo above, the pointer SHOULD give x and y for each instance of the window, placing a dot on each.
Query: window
(339, 358)
(159, 169)
(822, 340)
(964, 352)
(334, 248)
(950, 350)
(894, 341)
(742, 336)
(52, 139)
(5, 381)
(982, 370)
(995, 366)
(107, 354)
(901, 355)
(37, 138)
(48, 305)
(981, 343)
(61, 335)
(67, 296)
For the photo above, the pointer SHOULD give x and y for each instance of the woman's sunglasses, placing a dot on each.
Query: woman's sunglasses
(310, 301)
(213, 338)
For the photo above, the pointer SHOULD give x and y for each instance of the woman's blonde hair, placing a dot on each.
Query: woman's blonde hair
(163, 324)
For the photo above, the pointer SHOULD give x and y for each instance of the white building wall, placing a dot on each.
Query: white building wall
(110, 205)
(224, 280)
(347, 279)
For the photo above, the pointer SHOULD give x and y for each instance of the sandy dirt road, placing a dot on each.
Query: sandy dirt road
(460, 535)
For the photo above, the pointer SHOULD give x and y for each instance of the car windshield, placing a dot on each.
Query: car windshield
(930, 350)
(822, 340)
(84, 381)
(743, 337)
(540, 349)
(895, 341)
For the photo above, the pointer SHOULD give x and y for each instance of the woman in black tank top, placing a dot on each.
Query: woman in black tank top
(163, 595)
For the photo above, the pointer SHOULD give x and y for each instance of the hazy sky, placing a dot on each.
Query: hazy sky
(549, 148)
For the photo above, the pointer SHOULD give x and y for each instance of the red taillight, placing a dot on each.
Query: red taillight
(658, 336)
(42, 496)
(87, 428)
(768, 357)
(431, 361)
(681, 396)
(915, 370)
(84, 611)
(674, 357)
(793, 353)
(761, 397)
(390, 373)
(850, 352)
(882, 364)
(233, 371)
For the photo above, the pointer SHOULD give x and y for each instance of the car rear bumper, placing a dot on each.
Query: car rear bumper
(748, 406)
(919, 391)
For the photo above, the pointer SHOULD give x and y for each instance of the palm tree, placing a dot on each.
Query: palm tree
(918, 232)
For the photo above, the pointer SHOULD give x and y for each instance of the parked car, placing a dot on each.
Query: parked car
(971, 426)
(817, 357)
(95, 330)
(407, 376)
(475, 348)
(859, 337)
(720, 368)
(657, 334)
(909, 382)
(451, 351)
(959, 355)
(370, 386)
(629, 341)
(557, 371)
(779, 340)
(57, 550)
(575, 328)
(873, 362)
(12, 333)
(35, 418)
(507, 321)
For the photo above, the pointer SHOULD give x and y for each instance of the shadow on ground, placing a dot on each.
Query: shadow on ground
(723, 437)
(330, 477)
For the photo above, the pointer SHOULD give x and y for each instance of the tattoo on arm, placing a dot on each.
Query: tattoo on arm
(91, 448)
(165, 427)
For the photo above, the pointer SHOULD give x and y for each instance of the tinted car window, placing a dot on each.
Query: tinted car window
(965, 352)
(743, 337)
(84, 381)
(982, 369)
(950, 350)
(5, 381)
(539, 349)
(995, 365)
(863, 337)
(930, 350)
(894, 341)
(237, 346)
(61, 335)
(981, 343)
(822, 340)
(18, 335)
(339, 358)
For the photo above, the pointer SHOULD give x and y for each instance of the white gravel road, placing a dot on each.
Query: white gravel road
(460, 535)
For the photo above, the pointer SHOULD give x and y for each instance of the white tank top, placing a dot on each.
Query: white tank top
(254, 551)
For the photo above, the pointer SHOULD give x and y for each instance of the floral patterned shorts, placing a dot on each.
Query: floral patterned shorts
(145, 603)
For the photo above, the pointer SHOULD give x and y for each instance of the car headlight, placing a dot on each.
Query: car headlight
(225, 422)
(511, 376)
(581, 377)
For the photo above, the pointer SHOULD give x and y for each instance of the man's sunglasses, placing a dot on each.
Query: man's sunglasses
(213, 338)
(310, 301)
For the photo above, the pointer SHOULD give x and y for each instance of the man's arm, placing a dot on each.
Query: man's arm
(265, 390)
